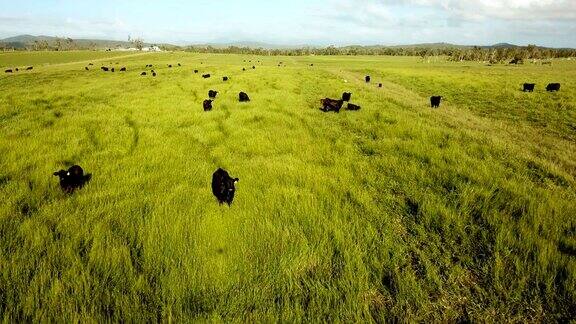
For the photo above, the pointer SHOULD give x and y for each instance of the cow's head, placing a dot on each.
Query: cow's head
(62, 174)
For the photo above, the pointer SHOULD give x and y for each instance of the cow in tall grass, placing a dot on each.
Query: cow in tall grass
(552, 87)
(223, 186)
(331, 105)
(435, 101)
(72, 179)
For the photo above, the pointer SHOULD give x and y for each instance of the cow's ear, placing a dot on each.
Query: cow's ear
(236, 180)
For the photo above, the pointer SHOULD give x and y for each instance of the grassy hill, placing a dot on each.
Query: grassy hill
(396, 212)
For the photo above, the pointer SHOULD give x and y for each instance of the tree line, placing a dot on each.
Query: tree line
(476, 53)
(514, 54)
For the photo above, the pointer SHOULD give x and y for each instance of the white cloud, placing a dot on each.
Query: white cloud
(503, 9)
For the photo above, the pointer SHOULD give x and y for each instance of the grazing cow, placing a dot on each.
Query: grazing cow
(179, 64)
(143, 73)
(206, 76)
(112, 70)
(551, 87)
(352, 107)
(16, 69)
(195, 71)
(223, 186)
(225, 78)
(86, 68)
(105, 69)
(528, 87)
(207, 104)
(212, 94)
(367, 78)
(331, 105)
(243, 69)
(29, 68)
(253, 67)
(435, 101)
(379, 85)
(90, 64)
(8, 71)
(169, 65)
(243, 97)
(123, 69)
(311, 64)
(72, 179)
(153, 73)
(346, 96)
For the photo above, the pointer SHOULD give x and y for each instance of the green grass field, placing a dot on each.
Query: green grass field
(396, 212)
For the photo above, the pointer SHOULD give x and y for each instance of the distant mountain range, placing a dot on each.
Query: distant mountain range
(24, 41)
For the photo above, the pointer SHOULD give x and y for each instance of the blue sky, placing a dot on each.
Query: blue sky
(296, 22)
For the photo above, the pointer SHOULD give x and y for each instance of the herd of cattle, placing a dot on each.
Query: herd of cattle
(551, 87)
(223, 185)
(17, 69)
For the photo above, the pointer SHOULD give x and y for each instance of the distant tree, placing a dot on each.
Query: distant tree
(138, 43)
(69, 43)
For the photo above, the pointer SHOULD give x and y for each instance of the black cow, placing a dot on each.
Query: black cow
(379, 85)
(352, 107)
(331, 105)
(225, 78)
(105, 69)
(72, 179)
(143, 73)
(179, 64)
(207, 104)
(16, 69)
(8, 71)
(112, 70)
(435, 101)
(528, 87)
(253, 67)
(223, 186)
(551, 87)
(243, 69)
(312, 64)
(153, 73)
(206, 76)
(90, 64)
(243, 97)
(86, 68)
(516, 61)
(169, 65)
(212, 94)
(195, 71)
(123, 69)
(29, 68)
(346, 96)
(367, 78)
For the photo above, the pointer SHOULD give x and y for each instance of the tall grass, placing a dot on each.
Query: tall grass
(396, 212)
